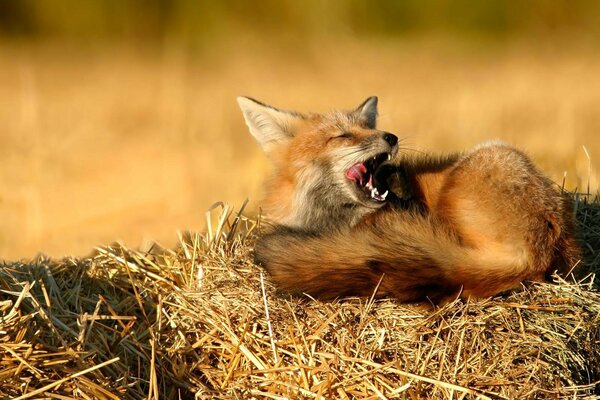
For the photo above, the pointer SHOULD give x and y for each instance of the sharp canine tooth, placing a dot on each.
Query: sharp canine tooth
(383, 196)
(389, 157)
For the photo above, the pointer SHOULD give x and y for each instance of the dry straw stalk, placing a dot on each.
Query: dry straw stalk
(199, 322)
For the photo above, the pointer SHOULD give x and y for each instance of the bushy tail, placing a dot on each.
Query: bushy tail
(413, 257)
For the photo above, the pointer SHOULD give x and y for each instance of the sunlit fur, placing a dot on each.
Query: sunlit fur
(477, 223)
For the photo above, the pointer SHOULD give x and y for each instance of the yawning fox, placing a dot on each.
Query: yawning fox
(421, 227)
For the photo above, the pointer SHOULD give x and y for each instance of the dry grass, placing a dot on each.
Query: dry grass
(200, 321)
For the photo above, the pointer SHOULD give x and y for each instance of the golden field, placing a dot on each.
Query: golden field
(134, 143)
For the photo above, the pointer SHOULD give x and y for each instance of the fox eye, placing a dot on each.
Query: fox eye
(345, 135)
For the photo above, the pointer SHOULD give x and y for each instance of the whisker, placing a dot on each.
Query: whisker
(400, 149)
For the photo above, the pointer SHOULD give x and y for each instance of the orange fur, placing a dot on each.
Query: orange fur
(474, 224)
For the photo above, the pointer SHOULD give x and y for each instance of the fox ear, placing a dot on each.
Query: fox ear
(367, 112)
(267, 124)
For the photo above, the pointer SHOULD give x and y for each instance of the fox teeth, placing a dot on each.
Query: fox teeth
(384, 195)
(389, 156)
(375, 194)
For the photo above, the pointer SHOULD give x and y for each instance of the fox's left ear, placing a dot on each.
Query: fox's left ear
(367, 112)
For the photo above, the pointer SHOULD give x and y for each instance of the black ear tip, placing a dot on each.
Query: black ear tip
(247, 99)
(372, 101)
(369, 104)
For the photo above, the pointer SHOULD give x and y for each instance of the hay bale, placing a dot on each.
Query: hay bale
(200, 321)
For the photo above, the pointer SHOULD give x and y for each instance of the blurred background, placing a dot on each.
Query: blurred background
(118, 119)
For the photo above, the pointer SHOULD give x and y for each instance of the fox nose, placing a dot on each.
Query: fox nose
(390, 138)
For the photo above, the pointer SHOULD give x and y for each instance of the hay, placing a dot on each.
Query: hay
(200, 321)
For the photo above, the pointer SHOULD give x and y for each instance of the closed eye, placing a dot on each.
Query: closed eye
(345, 135)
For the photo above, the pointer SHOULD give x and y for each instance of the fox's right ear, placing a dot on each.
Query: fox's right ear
(268, 125)
(367, 112)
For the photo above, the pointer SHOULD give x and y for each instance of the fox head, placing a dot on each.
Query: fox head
(324, 164)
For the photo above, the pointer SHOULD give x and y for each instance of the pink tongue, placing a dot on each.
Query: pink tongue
(356, 172)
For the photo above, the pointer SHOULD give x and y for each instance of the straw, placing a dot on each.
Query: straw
(200, 321)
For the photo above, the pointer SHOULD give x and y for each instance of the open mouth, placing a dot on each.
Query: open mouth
(362, 174)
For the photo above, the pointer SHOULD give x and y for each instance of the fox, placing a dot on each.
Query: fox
(352, 214)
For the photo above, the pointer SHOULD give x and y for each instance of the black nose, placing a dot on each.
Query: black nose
(391, 139)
